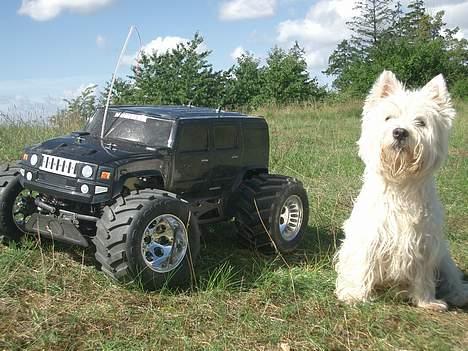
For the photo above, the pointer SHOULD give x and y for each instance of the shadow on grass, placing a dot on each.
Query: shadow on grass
(81, 255)
(224, 263)
(222, 251)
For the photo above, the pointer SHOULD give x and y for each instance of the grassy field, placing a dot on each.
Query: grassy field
(53, 298)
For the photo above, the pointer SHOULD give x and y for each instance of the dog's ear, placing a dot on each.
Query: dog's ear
(387, 84)
(437, 91)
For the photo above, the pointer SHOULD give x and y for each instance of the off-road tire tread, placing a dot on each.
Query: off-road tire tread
(113, 228)
(8, 174)
(262, 189)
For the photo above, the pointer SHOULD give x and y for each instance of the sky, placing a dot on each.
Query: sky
(53, 49)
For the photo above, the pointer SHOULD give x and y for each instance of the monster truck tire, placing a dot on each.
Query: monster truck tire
(271, 208)
(123, 243)
(10, 187)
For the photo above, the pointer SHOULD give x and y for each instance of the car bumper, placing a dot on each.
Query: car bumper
(65, 188)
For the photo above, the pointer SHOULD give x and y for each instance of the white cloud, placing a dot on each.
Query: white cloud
(456, 14)
(44, 10)
(323, 27)
(160, 46)
(434, 3)
(21, 107)
(247, 9)
(238, 52)
(100, 41)
(24, 108)
(42, 97)
(73, 93)
(324, 23)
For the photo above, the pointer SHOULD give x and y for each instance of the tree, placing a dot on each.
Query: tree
(84, 104)
(371, 24)
(395, 29)
(180, 76)
(122, 93)
(77, 111)
(184, 75)
(417, 46)
(286, 79)
(374, 22)
(244, 82)
(340, 61)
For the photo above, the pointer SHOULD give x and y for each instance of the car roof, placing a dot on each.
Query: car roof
(178, 112)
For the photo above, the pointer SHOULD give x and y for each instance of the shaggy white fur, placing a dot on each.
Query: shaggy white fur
(394, 237)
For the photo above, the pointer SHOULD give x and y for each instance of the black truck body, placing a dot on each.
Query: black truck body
(138, 185)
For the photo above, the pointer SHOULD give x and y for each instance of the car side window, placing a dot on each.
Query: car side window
(226, 137)
(255, 138)
(194, 137)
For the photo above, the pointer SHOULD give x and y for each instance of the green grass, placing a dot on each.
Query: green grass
(52, 297)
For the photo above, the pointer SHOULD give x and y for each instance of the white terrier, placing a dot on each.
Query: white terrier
(394, 237)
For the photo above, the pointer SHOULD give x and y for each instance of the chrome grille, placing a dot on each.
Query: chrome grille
(59, 165)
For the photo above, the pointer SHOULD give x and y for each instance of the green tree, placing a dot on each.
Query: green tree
(180, 76)
(122, 93)
(339, 63)
(77, 110)
(286, 78)
(244, 82)
(84, 104)
(371, 24)
(417, 46)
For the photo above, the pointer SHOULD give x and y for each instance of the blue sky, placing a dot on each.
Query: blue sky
(53, 48)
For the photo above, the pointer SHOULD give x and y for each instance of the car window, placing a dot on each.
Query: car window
(225, 137)
(194, 137)
(255, 138)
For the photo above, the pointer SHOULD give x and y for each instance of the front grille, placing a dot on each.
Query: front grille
(56, 180)
(59, 165)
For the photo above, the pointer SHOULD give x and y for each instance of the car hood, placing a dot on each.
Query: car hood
(91, 149)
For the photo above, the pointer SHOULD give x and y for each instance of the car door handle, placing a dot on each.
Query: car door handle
(234, 156)
(205, 160)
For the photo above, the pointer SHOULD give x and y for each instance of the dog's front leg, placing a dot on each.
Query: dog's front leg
(352, 283)
(423, 291)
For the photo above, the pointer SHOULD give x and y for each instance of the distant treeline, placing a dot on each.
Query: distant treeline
(409, 41)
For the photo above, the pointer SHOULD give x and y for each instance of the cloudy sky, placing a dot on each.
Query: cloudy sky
(52, 49)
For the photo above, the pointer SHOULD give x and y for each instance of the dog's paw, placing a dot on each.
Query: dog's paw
(350, 297)
(434, 305)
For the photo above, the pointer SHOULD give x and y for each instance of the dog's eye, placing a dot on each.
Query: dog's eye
(420, 123)
(387, 118)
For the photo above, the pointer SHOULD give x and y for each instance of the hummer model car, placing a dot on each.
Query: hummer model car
(138, 182)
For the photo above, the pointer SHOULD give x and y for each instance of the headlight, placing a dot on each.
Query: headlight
(87, 171)
(33, 160)
(84, 189)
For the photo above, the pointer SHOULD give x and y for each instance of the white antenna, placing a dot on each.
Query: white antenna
(113, 81)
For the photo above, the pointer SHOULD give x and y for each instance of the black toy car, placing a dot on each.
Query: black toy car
(140, 192)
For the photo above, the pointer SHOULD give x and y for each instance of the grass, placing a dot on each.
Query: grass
(52, 297)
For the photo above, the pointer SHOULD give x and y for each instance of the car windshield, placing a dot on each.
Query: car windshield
(132, 127)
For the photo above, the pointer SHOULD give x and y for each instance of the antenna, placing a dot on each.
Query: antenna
(113, 81)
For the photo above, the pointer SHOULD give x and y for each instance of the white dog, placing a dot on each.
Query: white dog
(394, 237)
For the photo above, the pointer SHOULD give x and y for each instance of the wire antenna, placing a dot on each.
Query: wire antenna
(114, 76)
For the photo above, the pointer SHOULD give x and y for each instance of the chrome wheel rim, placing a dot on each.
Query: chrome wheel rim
(291, 216)
(164, 243)
(23, 208)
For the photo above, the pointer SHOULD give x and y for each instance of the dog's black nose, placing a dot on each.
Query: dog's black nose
(400, 133)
